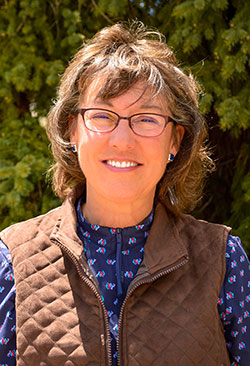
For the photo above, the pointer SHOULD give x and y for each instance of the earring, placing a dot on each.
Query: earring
(74, 148)
(171, 157)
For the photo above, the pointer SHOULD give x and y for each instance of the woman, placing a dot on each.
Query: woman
(119, 274)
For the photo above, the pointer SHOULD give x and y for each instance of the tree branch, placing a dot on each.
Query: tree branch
(102, 14)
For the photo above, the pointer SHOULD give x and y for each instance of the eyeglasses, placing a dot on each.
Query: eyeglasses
(142, 124)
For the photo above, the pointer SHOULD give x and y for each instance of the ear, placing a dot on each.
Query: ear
(73, 129)
(177, 136)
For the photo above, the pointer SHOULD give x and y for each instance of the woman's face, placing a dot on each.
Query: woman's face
(148, 156)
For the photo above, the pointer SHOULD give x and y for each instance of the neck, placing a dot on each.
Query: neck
(115, 214)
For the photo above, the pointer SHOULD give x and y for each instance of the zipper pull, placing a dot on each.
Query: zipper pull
(102, 340)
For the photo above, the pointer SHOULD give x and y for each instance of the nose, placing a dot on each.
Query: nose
(122, 137)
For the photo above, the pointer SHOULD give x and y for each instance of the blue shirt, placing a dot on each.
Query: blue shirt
(114, 256)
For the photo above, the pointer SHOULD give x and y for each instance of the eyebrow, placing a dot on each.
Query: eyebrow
(151, 106)
(98, 100)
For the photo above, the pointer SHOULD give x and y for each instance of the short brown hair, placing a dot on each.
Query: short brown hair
(128, 53)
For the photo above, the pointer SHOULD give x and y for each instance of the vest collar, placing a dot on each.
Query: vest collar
(65, 229)
(164, 246)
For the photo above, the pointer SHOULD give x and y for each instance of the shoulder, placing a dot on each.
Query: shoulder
(237, 263)
(214, 233)
(236, 257)
(190, 230)
(234, 245)
(205, 241)
(26, 230)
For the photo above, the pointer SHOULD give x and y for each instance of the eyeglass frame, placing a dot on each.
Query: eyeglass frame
(168, 119)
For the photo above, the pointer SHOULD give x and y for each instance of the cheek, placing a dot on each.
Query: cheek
(158, 156)
(84, 150)
(161, 152)
(90, 147)
(161, 156)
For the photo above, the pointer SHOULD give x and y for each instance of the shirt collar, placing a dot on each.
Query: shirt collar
(95, 232)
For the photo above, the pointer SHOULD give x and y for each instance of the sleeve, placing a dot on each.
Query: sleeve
(7, 309)
(234, 303)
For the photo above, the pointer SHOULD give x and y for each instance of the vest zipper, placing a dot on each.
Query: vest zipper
(83, 277)
(147, 279)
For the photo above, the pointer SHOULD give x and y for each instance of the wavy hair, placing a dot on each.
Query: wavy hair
(126, 54)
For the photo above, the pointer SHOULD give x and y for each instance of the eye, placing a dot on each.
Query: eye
(146, 119)
(101, 115)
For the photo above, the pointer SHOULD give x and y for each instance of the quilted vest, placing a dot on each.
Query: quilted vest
(169, 316)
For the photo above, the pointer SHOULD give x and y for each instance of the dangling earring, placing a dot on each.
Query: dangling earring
(171, 157)
(74, 148)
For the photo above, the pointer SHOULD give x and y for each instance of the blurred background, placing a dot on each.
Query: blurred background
(211, 38)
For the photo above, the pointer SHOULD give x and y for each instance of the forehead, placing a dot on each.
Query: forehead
(140, 93)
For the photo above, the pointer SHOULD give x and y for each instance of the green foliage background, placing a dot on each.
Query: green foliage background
(38, 37)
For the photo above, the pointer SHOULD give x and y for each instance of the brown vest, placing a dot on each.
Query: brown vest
(169, 316)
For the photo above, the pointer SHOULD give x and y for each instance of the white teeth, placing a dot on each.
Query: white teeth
(121, 164)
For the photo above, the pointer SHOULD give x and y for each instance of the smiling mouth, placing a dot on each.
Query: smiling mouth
(121, 164)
